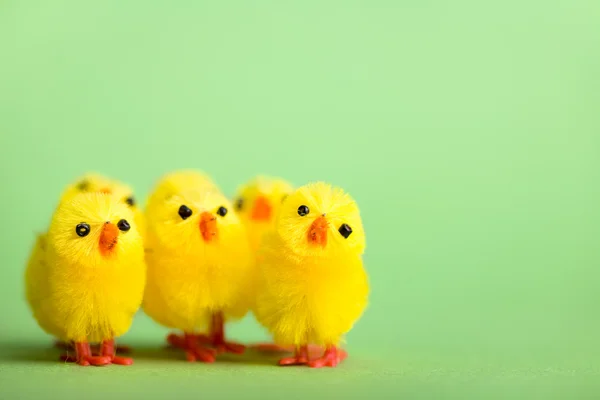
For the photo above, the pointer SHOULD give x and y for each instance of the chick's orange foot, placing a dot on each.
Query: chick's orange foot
(83, 356)
(304, 356)
(331, 358)
(95, 348)
(108, 349)
(300, 357)
(195, 351)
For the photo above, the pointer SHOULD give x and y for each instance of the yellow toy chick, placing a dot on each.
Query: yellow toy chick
(200, 269)
(88, 183)
(314, 286)
(258, 203)
(86, 277)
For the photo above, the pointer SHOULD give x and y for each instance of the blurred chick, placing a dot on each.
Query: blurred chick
(258, 203)
(85, 278)
(90, 183)
(200, 269)
(313, 284)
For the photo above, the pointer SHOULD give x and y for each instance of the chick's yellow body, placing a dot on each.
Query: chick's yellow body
(313, 288)
(91, 288)
(37, 288)
(190, 277)
(184, 290)
(309, 299)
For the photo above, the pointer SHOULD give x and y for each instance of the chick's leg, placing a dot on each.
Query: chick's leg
(68, 346)
(300, 357)
(331, 358)
(108, 349)
(218, 336)
(84, 356)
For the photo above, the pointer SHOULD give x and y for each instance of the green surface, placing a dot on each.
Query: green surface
(469, 133)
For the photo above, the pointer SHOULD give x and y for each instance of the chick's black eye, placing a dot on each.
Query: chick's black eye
(303, 210)
(123, 225)
(222, 211)
(83, 186)
(130, 201)
(185, 212)
(239, 204)
(82, 229)
(345, 230)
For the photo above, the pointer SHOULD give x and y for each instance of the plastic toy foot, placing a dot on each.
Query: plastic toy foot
(218, 337)
(300, 357)
(331, 358)
(108, 349)
(84, 356)
(195, 352)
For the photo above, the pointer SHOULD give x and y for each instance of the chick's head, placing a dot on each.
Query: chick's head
(195, 219)
(93, 228)
(259, 201)
(318, 219)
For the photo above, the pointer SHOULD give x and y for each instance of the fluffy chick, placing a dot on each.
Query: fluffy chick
(313, 284)
(86, 277)
(200, 268)
(88, 183)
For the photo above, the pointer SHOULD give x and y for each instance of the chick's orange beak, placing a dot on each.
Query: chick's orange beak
(108, 238)
(317, 233)
(208, 226)
(105, 191)
(261, 210)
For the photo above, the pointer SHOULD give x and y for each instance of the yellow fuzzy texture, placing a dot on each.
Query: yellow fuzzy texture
(76, 293)
(310, 294)
(176, 182)
(188, 278)
(275, 190)
(94, 182)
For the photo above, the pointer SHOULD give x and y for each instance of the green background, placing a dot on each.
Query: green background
(468, 132)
